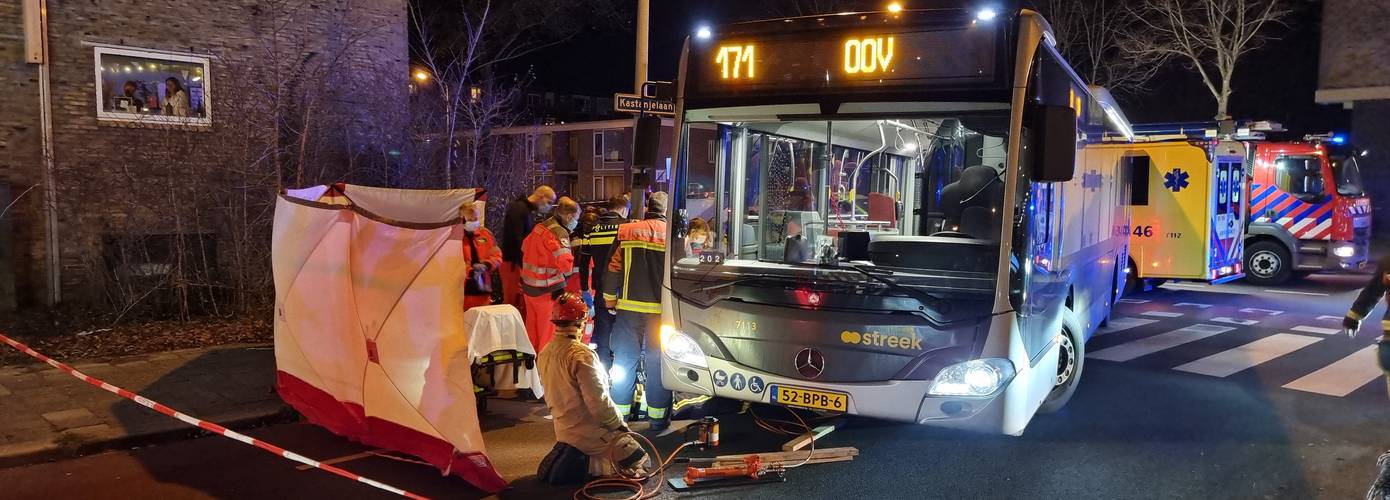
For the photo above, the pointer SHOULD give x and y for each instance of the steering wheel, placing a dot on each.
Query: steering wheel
(951, 234)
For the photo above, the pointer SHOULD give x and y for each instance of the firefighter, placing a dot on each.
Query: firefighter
(635, 294)
(547, 262)
(480, 254)
(599, 250)
(576, 392)
(517, 223)
(1366, 301)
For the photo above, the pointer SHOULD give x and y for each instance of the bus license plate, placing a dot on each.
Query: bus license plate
(807, 398)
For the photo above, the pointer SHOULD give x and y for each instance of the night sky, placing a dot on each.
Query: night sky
(1277, 82)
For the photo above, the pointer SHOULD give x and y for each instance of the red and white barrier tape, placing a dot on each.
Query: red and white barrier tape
(202, 424)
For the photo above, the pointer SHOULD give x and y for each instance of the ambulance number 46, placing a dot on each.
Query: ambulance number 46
(1144, 231)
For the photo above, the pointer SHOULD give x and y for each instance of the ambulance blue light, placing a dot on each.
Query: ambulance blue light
(1339, 139)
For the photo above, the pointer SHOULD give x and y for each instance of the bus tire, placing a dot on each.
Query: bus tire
(1133, 284)
(1267, 263)
(1071, 358)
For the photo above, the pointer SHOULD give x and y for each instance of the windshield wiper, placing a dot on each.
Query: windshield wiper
(937, 303)
(735, 281)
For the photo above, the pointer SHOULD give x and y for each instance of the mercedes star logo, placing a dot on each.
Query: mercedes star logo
(810, 363)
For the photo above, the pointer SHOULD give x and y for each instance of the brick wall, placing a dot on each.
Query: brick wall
(1355, 44)
(115, 179)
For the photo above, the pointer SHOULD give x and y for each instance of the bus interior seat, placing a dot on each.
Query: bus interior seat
(979, 193)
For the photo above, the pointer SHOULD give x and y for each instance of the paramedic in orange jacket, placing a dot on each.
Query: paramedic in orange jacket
(546, 263)
(481, 255)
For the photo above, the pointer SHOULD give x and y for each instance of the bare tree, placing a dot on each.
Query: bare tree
(1089, 35)
(461, 50)
(798, 8)
(1210, 36)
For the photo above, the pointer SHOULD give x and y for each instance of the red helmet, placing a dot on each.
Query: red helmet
(569, 308)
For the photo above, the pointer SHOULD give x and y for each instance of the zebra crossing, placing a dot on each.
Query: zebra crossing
(1192, 339)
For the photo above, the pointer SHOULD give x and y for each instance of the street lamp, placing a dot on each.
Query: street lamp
(421, 76)
(895, 7)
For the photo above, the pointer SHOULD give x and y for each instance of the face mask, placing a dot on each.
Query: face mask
(572, 224)
(699, 242)
(472, 226)
(545, 208)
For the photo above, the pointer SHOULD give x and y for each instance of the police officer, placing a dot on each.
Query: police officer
(1366, 301)
(637, 269)
(587, 423)
(599, 249)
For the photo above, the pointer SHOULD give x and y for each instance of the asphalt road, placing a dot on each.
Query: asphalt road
(1184, 396)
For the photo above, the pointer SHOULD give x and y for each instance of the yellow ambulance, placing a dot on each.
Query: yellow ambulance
(1187, 202)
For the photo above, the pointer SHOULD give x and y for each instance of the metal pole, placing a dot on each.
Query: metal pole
(644, 16)
(639, 174)
(36, 47)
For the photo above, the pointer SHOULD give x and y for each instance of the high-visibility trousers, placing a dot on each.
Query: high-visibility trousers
(511, 287)
(633, 334)
(537, 316)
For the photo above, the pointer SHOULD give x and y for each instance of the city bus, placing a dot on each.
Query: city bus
(900, 227)
(1187, 207)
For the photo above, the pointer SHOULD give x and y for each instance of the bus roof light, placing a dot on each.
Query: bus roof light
(703, 33)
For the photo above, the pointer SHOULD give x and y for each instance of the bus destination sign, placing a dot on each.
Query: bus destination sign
(800, 62)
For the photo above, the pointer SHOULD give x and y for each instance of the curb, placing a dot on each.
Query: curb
(75, 445)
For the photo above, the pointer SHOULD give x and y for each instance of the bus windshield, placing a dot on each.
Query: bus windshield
(804, 198)
(1348, 174)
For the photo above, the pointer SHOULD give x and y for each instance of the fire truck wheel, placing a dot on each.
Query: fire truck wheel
(1071, 358)
(1267, 263)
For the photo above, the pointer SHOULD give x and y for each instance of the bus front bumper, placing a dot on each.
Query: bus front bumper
(899, 400)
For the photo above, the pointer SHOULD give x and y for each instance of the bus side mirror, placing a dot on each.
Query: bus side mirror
(1054, 155)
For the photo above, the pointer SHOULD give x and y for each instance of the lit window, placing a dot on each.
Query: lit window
(152, 86)
(475, 94)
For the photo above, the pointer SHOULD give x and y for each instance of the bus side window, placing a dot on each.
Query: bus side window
(1138, 180)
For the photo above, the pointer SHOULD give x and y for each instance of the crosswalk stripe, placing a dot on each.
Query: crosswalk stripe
(1329, 318)
(1234, 321)
(1342, 377)
(1122, 324)
(1163, 314)
(1316, 329)
(1295, 292)
(1231, 361)
(1134, 301)
(1150, 345)
(1270, 312)
(1191, 304)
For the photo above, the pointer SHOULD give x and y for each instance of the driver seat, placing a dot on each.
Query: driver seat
(972, 214)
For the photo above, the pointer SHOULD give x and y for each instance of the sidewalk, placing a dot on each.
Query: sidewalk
(45, 413)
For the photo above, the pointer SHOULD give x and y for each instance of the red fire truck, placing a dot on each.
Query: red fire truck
(1308, 210)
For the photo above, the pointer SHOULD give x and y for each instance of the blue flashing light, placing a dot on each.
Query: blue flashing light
(1339, 139)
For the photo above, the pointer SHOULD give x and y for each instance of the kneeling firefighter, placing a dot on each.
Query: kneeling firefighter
(1366, 301)
(587, 423)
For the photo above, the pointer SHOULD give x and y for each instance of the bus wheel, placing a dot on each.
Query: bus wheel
(1071, 358)
(1133, 284)
(1267, 263)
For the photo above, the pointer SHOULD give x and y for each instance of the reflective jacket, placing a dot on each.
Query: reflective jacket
(576, 390)
(485, 243)
(546, 259)
(1371, 294)
(598, 249)
(637, 266)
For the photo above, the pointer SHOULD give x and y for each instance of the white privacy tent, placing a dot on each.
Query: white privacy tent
(370, 340)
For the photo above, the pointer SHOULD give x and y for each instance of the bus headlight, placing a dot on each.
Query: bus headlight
(977, 377)
(1344, 251)
(680, 347)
